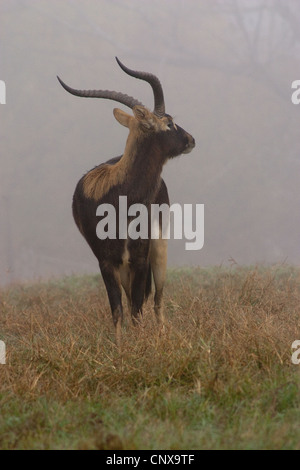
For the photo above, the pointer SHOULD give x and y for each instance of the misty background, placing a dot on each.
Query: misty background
(226, 67)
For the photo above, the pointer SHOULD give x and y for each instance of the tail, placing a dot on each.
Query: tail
(148, 282)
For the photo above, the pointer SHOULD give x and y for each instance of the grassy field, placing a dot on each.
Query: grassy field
(219, 377)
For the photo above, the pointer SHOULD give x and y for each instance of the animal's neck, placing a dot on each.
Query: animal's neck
(141, 166)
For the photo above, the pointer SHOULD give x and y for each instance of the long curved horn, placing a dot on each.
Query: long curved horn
(109, 95)
(159, 102)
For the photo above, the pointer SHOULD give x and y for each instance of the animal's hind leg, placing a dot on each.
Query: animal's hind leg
(158, 261)
(111, 277)
(138, 285)
(125, 281)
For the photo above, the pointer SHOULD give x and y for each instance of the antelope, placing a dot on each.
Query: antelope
(153, 139)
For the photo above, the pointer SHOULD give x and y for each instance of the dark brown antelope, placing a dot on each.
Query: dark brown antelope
(153, 139)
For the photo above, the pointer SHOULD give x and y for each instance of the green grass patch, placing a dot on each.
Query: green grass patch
(219, 377)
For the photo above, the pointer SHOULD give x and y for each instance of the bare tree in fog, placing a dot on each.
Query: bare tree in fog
(268, 29)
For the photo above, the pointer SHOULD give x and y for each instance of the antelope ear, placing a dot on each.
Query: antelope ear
(140, 112)
(122, 117)
(144, 116)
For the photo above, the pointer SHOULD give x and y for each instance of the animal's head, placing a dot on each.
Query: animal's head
(165, 135)
(170, 138)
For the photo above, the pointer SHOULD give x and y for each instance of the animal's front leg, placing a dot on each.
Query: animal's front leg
(111, 277)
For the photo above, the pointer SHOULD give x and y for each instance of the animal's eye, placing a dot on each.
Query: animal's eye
(170, 125)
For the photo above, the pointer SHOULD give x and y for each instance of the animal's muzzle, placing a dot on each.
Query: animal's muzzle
(190, 144)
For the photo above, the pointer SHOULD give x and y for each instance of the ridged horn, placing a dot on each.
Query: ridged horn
(159, 102)
(109, 95)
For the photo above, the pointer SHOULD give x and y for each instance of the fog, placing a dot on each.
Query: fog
(226, 68)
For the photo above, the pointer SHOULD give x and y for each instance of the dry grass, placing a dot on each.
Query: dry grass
(220, 376)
